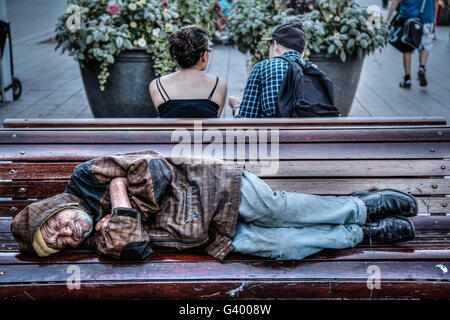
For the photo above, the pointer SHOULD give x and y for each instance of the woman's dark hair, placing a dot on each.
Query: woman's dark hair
(187, 45)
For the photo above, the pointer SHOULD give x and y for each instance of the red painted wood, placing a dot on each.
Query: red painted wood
(234, 289)
(173, 136)
(287, 168)
(355, 151)
(226, 270)
(173, 123)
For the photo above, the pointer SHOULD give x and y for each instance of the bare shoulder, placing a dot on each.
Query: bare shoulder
(221, 84)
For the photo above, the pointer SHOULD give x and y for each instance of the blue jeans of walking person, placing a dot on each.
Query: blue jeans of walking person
(288, 225)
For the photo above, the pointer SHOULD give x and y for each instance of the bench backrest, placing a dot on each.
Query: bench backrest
(36, 163)
(168, 124)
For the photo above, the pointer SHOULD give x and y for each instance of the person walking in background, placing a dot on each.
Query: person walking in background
(413, 9)
(222, 10)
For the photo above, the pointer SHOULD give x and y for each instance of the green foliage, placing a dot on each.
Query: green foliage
(334, 27)
(100, 35)
(252, 20)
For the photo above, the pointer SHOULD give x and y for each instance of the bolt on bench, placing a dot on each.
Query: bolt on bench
(36, 163)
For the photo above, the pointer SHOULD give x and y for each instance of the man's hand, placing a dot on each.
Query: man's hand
(103, 224)
(234, 101)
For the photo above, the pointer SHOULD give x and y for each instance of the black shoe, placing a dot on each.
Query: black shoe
(388, 230)
(406, 83)
(388, 202)
(422, 79)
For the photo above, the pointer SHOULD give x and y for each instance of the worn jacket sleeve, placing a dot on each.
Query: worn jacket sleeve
(124, 238)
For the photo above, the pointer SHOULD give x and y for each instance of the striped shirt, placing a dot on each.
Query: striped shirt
(263, 84)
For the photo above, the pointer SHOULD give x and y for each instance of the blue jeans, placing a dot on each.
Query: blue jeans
(288, 225)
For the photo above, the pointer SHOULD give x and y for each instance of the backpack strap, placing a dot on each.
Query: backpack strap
(292, 61)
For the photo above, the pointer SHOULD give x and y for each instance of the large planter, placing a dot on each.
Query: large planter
(344, 75)
(126, 92)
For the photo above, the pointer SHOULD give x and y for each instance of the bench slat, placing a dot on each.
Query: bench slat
(300, 168)
(356, 151)
(418, 187)
(270, 270)
(421, 222)
(423, 251)
(171, 136)
(427, 205)
(422, 236)
(174, 123)
(243, 289)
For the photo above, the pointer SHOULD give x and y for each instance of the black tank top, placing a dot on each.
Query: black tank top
(187, 108)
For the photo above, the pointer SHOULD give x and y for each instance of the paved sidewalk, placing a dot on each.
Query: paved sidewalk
(52, 85)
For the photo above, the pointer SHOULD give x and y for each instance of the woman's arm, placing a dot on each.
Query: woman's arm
(223, 89)
(154, 95)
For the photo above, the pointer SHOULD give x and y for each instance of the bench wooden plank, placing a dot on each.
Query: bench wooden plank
(421, 222)
(224, 270)
(174, 136)
(424, 251)
(427, 205)
(299, 168)
(235, 289)
(259, 123)
(357, 151)
(325, 186)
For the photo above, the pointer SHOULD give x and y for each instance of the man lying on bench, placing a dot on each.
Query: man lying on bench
(127, 205)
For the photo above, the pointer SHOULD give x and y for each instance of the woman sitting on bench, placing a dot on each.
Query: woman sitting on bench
(188, 92)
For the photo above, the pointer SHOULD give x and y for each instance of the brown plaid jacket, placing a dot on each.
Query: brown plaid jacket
(198, 206)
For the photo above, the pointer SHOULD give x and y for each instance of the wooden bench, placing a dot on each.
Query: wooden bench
(36, 163)
(167, 124)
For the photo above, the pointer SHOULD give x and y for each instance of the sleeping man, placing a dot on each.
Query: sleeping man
(127, 205)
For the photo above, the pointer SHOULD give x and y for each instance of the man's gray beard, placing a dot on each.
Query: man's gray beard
(84, 216)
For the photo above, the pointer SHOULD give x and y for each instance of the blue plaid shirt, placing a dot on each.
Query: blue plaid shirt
(263, 84)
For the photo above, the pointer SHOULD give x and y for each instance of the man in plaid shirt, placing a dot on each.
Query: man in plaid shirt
(264, 82)
(127, 205)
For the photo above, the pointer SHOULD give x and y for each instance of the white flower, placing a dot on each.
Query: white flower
(132, 6)
(142, 43)
(133, 24)
(135, 43)
(169, 27)
(155, 32)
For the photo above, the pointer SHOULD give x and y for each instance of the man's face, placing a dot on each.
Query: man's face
(67, 228)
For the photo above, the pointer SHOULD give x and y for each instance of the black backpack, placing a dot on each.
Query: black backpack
(306, 91)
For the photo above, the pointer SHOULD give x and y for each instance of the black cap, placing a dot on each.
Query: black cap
(290, 35)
